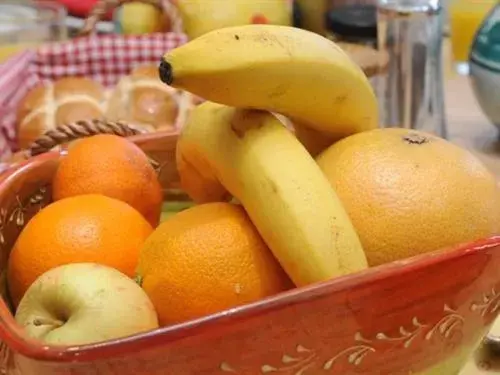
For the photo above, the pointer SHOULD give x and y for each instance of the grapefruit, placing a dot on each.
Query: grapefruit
(409, 192)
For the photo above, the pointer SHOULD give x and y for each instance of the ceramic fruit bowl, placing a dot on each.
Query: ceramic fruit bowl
(423, 315)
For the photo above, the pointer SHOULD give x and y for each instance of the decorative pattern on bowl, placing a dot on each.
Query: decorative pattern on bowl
(305, 360)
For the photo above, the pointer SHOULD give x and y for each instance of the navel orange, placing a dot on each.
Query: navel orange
(80, 229)
(113, 166)
(206, 259)
(409, 192)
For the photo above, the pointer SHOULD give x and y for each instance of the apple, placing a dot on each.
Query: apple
(140, 18)
(84, 303)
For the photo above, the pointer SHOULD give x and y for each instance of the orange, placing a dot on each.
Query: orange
(409, 192)
(112, 166)
(86, 228)
(206, 259)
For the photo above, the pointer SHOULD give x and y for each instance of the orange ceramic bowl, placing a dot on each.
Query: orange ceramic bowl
(423, 315)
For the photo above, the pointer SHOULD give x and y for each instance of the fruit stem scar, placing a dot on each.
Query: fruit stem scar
(166, 72)
(47, 322)
(138, 279)
(415, 139)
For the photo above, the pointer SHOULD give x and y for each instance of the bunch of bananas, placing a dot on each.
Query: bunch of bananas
(235, 145)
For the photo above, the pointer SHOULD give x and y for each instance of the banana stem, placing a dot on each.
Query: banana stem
(42, 321)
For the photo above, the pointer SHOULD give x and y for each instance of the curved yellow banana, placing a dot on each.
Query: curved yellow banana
(251, 155)
(282, 69)
(238, 148)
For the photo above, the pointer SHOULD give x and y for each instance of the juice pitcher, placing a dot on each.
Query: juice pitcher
(201, 16)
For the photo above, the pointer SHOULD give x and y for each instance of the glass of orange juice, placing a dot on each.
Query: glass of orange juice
(28, 24)
(466, 16)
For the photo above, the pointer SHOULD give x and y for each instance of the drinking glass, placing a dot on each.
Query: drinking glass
(411, 92)
(28, 24)
(465, 18)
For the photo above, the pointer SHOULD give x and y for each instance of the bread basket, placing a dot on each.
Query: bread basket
(102, 58)
(424, 315)
(83, 56)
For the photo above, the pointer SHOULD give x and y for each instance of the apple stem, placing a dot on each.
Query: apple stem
(138, 279)
(49, 322)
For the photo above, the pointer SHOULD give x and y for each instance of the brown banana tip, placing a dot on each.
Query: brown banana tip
(166, 72)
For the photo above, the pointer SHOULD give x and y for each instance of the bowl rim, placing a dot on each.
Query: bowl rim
(12, 335)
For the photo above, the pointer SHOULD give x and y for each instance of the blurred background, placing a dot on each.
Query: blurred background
(25, 23)
(407, 48)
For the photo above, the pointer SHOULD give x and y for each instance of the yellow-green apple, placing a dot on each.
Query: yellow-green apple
(83, 303)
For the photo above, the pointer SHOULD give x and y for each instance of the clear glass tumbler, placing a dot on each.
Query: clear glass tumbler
(27, 24)
(411, 91)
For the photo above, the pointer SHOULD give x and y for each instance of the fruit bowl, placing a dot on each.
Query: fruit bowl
(423, 315)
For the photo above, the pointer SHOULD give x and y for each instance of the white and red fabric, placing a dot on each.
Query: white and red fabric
(105, 58)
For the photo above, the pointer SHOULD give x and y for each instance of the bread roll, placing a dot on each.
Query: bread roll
(142, 100)
(65, 100)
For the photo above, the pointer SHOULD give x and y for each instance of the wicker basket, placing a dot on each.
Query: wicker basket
(82, 56)
(102, 7)
(48, 63)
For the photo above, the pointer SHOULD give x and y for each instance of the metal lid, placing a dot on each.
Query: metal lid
(353, 21)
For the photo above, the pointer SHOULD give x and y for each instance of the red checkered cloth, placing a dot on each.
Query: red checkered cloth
(103, 58)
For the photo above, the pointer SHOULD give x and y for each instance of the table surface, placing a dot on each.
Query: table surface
(467, 125)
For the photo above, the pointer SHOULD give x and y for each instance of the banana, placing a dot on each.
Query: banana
(235, 147)
(282, 69)
(251, 155)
